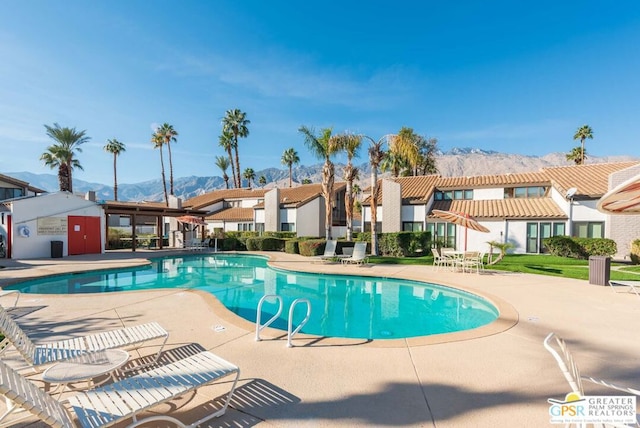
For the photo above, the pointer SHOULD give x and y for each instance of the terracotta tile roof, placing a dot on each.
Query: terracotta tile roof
(478, 181)
(297, 196)
(514, 208)
(232, 214)
(591, 180)
(200, 201)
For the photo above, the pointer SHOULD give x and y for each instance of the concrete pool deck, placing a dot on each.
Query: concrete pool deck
(500, 380)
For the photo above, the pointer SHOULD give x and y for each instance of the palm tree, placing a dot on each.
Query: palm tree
(158, 141)
(226, 142)
(169, 134)
(405, 146)
(376, 156)
(235, 121)
(61, 155)
(250, 175)
(350, 144)
(576, 155)
(290, 157)
(395, 163)
(114, 147)
(262, 180)
(322, 147)
(306, 181)
(582, 134)
(223, 164)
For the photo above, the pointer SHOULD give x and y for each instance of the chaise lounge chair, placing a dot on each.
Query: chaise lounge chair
(359, 255)
(616, 285)
(108, 405)
(37, 355)
(558, 348)
(329, 251)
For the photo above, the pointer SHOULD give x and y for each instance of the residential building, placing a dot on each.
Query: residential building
(11, 188)
(520, 208)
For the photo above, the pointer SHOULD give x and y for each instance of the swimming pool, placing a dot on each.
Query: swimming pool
(342, 306)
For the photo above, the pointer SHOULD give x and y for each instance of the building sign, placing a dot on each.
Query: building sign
(52, 226)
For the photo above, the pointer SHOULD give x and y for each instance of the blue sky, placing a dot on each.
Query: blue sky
(508, 76)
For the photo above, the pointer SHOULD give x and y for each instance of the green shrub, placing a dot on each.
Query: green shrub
(264, 243)
(281, 235)
(579, 248)
(404, 244)
(232, 243)
(291, 247)
(597, 246)
(634, 253)
(312, 247)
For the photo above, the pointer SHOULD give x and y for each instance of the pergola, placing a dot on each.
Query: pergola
(146, 209)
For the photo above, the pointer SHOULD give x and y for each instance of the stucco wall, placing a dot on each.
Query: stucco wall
(623, 228)
(272, 211)
(310, 218)
(27, 211)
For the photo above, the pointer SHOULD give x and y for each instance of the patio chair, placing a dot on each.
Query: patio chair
(14, 293)
(359, 254)
(438, 259)
(470, 260)
(628, 286)
(329, 251)
(558, 348)
(37, 355)
(116, 402)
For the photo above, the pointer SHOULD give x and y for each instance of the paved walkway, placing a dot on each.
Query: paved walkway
(502, 379)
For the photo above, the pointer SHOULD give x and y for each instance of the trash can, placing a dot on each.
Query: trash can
(599, 270)
(56, 249)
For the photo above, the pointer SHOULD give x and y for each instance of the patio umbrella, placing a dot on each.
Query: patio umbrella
(622, 199)
(464, 220)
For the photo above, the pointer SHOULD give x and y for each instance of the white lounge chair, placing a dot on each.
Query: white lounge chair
(37, 355)
(359, 255)
(558, 348)
(116, 402)
(329, 251)
(628, 286)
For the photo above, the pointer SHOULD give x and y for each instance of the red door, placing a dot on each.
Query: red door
(84, 235)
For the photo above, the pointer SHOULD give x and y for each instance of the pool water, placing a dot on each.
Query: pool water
(342, 306)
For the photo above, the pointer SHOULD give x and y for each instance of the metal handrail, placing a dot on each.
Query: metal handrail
(290, 333)
(272, 319)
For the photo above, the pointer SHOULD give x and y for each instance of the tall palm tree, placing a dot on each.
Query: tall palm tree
(376, 156)
(262, 180)
(582, 134)
(226, 142)
(235, 121)
(61, 155)
(115, 147)
(157, 140)
(223, 164)
(576, 155)
(322, 147)
(350, 144)
(405, 145)
(169, 134)
(395, 163)
(290, 157)
(250, 175)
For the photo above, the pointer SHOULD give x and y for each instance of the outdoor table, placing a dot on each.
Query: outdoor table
(86, 368)
(454, 256)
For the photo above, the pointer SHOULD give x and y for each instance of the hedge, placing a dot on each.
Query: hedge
(291, 246)
(312, 247)
(579, 248)
(264, 243)
(635, 252)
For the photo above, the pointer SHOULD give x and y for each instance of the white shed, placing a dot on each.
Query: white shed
(52, 225)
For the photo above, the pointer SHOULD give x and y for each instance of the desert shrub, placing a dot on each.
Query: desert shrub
(312, 247)
(634, 253)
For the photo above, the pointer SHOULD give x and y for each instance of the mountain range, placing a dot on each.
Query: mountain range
(457, 162)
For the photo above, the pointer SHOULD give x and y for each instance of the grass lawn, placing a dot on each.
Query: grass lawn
(530, 263)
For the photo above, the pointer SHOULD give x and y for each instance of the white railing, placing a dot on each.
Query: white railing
(290, 331)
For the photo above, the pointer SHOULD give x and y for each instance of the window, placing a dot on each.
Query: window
(287, 227)
(587, 229)
(448, 195)
(260, 227)
(367, 226)
(10, 193)
(444, 233)
(412, 226)
(245, 227)
(525, 192)
(537, 232)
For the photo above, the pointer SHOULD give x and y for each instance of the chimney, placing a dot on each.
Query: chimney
(90, 196)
